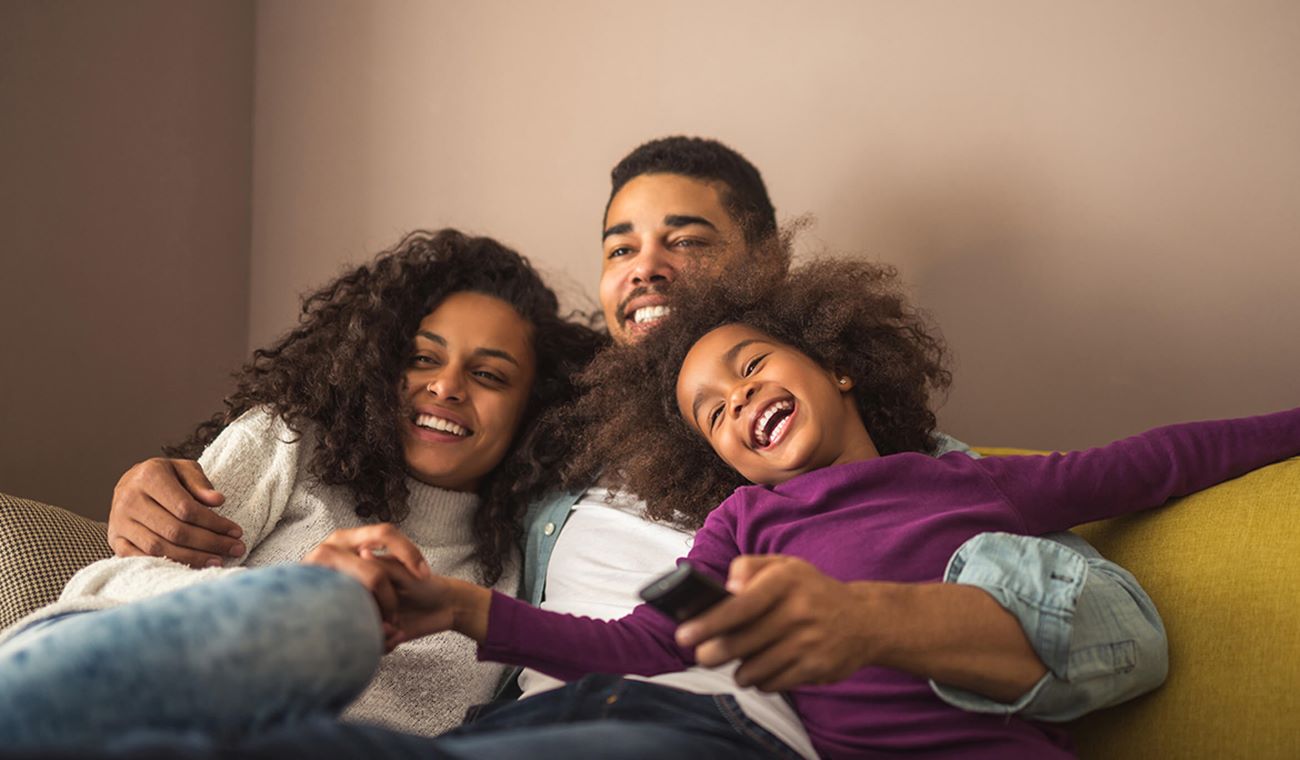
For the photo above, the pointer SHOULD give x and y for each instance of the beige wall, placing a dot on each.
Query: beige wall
(125, 162)
(1099, 201)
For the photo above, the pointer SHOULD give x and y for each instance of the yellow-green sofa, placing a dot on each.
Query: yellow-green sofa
(1223, 566)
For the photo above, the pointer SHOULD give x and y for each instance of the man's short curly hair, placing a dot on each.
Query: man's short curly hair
(743, 193)
(338, 372)
(847, 315)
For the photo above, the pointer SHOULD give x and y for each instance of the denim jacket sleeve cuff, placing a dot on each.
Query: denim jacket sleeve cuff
(1037, 580)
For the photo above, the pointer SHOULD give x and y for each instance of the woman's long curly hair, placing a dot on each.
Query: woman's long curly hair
(848, 315)
(338, 373)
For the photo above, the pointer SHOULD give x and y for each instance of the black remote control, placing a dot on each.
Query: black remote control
(683, 593)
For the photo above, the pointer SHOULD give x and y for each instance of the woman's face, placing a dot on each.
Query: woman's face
(767, 409)
(465, 389)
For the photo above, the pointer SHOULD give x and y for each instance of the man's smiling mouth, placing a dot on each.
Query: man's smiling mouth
(441, 425)
(649, 314)
(770, 425)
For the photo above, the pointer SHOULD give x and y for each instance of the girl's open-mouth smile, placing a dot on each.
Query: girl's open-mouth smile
(771, 422)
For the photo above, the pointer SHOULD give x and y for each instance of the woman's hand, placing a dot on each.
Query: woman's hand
(355, 552)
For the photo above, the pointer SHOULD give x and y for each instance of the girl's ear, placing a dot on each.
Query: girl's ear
(843, 382)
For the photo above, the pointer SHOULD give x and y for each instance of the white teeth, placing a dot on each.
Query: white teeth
(650, 314)
(760, 425)
(438, 423)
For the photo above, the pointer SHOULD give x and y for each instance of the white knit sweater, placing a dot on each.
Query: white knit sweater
(261, 466)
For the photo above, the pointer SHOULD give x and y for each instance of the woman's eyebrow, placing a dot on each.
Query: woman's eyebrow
(498, 353)
(493, 352)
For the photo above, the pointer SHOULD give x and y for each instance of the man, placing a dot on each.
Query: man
(1043, 628)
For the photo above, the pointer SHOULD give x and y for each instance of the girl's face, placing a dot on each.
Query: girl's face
(465, 389)
(767, 409)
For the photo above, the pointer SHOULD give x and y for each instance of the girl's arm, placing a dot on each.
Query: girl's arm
(1059, 491)
(563, 646)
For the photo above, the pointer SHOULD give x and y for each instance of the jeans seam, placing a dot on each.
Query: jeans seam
(743, 725)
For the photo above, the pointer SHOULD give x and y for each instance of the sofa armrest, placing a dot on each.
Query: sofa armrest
(43, 547)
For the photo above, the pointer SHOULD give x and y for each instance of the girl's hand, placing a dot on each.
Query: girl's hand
(434, 603)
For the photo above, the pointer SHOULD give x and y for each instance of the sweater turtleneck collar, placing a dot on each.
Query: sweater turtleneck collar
(437, 516)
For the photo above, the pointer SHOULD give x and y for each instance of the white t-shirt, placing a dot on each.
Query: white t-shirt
(608, 550)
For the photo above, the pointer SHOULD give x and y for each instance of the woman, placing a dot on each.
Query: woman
(408, 393)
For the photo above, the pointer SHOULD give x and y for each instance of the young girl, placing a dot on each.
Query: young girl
(816, 388)
(408, 393)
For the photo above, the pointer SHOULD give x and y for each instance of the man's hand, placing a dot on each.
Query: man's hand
(791, 625)
(163, 508)
(788, 623)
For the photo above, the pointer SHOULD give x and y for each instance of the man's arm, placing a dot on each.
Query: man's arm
(163, 508)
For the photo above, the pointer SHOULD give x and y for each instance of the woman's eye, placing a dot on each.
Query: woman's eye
(421, 360)
(490, 376)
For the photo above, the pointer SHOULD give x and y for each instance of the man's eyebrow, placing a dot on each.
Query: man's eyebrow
(727, 358)
(684, 220)
(618, 229)
(495, 352)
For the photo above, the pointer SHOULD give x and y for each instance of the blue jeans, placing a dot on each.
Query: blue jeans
(220, 660)
(598, 716)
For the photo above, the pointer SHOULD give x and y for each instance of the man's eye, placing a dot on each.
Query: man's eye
(688, 243)
(622, 250)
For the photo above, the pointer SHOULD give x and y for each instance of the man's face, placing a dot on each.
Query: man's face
(658, 227)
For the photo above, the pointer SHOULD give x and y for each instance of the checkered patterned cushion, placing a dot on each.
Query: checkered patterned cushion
(42, 547)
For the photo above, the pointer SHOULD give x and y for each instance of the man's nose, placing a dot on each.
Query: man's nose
(654, 265)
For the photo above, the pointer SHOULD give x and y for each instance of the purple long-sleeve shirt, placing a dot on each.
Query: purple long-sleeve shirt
(899, 518)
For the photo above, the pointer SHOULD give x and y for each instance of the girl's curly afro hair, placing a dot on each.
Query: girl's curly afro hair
(848, 315)
(338, 373)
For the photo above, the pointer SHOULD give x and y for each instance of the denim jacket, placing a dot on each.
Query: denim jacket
(1087, 618)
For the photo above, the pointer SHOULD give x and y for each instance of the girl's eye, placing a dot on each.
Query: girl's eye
(714, 417)
(752, 365)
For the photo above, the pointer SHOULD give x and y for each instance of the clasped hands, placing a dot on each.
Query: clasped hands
(412, 600)
(787, 622)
